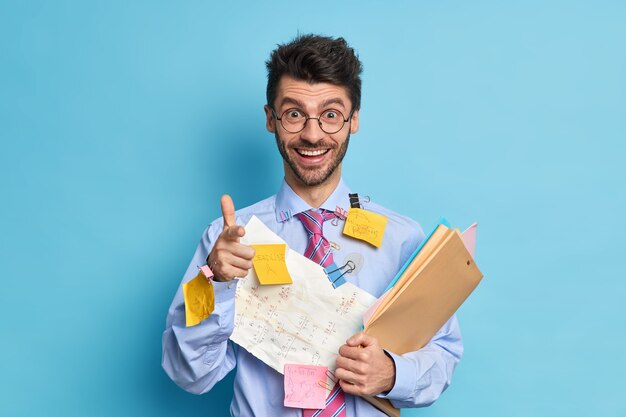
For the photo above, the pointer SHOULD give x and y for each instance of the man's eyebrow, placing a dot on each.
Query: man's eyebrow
(325, 104)
(335, 100)
(289, 100)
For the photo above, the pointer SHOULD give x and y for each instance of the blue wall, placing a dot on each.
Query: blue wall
(121, 123)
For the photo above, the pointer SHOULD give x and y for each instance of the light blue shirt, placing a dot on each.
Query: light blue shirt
(197, 357)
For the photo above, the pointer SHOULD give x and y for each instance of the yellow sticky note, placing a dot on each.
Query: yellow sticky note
(199, 300)
(365, 225)
(269, 264)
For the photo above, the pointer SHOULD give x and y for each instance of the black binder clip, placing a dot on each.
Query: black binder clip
(354, 200)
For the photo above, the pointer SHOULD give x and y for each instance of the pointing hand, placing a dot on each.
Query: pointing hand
(229, 258)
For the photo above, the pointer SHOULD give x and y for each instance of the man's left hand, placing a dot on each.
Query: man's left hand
(363, 368)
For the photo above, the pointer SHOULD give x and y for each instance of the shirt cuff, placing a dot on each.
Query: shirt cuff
(224, 290)
(405, 378)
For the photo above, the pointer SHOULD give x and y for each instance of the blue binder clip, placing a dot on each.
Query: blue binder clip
(336, 274)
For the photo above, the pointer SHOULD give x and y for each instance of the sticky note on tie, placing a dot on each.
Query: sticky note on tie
(199, 299)
(269, 264)
(365, 225)
(305, 386)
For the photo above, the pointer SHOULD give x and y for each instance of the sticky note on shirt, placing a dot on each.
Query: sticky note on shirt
(199, 299)
(365, 225)
(305, 386)
(269, 264)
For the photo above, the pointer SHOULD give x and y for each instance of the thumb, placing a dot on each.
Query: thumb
(361, 339)
(228, 210)
(233, 232)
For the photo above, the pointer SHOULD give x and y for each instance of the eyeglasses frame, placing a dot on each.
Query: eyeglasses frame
(306, 120)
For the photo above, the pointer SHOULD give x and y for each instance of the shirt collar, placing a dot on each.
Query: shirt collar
(288, 203)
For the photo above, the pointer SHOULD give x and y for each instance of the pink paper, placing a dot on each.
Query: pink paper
(370, 311)
(469, 239)
(304, 386)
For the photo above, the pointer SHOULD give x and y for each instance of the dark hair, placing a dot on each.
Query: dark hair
(315, 58)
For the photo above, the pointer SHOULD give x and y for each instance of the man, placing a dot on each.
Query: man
(313, 102)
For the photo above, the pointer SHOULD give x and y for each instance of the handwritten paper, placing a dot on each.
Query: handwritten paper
(365, 225)
(305, 386)
(305, 322)
(269, 264)
(199, 299)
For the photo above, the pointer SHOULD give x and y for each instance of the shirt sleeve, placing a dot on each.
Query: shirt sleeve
(422, 375)
(198, 357)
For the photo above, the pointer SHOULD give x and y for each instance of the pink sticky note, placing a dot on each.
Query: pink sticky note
(304, 386)
(469, 239)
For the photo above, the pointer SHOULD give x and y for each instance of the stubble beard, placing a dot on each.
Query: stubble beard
(312, 177)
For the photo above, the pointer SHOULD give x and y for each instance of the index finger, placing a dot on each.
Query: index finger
(228, 210)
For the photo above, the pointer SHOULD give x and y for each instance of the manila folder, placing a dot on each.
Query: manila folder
(426, 302)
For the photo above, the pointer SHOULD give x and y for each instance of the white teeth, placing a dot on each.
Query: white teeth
(312, 153)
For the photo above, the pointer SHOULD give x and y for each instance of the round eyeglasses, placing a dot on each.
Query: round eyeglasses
(294, 120)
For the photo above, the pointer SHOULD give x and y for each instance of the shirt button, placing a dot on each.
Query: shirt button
(231, 284)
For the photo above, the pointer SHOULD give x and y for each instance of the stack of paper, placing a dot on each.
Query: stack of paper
(431, 287)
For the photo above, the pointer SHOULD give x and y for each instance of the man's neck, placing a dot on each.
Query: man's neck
(314, 195)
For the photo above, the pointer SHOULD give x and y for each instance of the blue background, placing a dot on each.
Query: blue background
(121, 124)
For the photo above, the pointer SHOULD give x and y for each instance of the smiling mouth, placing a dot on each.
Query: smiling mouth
(312, 153)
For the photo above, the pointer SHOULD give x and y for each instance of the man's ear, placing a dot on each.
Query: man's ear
(270, 122)
(354, 122)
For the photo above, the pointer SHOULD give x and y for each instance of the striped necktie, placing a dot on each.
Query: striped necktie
(318, 250)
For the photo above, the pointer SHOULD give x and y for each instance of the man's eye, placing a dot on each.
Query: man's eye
(293, 114)
(330, 114)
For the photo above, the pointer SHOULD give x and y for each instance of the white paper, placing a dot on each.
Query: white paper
(305, 322)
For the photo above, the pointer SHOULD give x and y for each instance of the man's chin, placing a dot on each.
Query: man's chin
(311, 181)
(312, 178)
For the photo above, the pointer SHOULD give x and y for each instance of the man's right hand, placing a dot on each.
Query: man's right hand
(230, 259)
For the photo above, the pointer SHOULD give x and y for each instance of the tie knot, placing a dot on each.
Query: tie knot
(313, 220)
(318, 248)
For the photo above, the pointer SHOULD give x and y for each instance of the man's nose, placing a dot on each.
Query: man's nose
(312, 131)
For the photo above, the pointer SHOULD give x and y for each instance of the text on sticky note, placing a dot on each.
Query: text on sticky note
(365, 225)
(199, 299)
(269, 264)
(305, 386)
